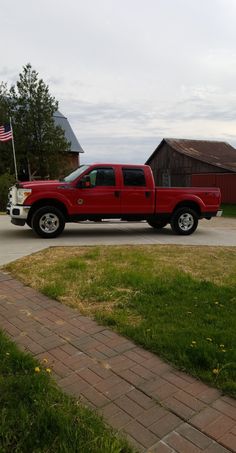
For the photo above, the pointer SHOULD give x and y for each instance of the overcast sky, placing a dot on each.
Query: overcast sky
(127, 73)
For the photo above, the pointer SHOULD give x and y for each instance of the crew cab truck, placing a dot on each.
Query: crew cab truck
(107, 191)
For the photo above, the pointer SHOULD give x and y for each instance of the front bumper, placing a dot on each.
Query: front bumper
(18, 214)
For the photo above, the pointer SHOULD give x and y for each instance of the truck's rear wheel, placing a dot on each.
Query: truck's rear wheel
(184, 221)
(157, 224)
(48, 222)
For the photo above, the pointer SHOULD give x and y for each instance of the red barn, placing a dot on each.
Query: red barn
(181, 162)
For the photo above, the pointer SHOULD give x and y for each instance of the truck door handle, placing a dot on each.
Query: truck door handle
(148, 194)
(117, 193)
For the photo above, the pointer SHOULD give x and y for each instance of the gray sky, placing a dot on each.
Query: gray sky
(127, 73)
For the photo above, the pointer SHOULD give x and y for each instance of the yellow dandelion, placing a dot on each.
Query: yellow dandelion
(48, 370)
(216, 371)
(37, 369)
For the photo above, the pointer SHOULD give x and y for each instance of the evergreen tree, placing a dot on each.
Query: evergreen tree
(39, 143)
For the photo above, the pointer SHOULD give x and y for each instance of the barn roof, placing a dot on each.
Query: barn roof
(219, 154)
(61, 120)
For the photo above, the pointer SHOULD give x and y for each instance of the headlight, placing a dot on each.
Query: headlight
(22, 194)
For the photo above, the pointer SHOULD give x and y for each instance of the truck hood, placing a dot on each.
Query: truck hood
(51, 184)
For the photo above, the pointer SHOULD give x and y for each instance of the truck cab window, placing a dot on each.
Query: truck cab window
(102, 177)
(134, 177)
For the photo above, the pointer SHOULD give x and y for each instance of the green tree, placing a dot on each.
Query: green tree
(39, 143)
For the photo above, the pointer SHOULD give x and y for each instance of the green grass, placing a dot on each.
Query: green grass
(179, 302)
(35, 416)
(229, 210)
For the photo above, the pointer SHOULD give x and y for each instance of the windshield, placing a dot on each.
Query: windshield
(74, 175)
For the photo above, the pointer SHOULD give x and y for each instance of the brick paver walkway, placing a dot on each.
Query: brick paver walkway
(157, 407)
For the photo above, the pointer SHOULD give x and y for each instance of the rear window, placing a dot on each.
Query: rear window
(133, 177)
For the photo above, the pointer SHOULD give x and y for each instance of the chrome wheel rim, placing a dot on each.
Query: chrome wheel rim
(49, 223)
(186, 221)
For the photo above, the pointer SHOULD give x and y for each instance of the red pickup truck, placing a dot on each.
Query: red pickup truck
(105, 191)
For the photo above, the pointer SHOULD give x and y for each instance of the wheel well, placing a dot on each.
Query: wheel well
(47, 202)
(189, 204)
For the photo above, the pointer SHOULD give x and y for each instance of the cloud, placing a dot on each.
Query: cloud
(129, 73)
(129, 149)
(124, 132)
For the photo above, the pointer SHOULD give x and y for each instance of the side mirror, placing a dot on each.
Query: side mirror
(85, 182)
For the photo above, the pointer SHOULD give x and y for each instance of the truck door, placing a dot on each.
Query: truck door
(102, 196)
(136, 197)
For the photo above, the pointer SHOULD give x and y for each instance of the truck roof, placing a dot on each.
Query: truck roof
(111, 164)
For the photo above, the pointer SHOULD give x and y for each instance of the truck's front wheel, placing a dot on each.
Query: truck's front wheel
(28, 222)
(184, 221)
(48, 222)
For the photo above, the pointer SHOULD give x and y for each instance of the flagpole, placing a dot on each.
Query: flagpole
(13, 149)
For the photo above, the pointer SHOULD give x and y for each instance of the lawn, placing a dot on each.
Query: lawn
(179, 302)
(36, 416)
(229, 210)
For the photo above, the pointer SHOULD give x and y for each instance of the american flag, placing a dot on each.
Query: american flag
(5, 133)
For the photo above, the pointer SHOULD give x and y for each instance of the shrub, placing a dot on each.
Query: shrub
(6, 180)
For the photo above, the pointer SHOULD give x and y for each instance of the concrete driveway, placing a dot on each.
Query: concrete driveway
(16, 242)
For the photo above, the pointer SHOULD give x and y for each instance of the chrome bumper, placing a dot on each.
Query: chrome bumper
(18, 212)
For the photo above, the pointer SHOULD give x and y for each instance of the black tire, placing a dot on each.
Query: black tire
(184, 221)
(28, 222)
(48, 222)
(157, 224)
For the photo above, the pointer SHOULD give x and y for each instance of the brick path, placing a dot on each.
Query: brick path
(157, 407)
